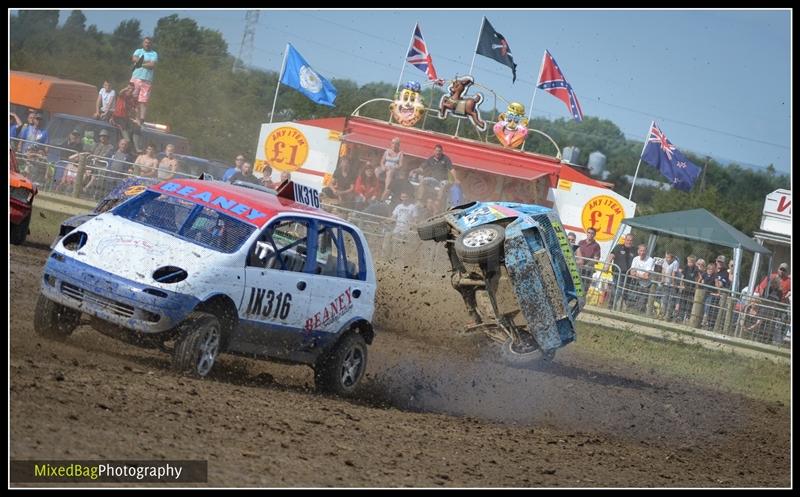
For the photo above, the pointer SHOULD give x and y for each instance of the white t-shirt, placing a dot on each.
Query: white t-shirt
(106, 97)
(668, 270)
(639, 266)
(405, 215)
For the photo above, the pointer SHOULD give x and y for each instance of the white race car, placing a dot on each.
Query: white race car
(202, 267)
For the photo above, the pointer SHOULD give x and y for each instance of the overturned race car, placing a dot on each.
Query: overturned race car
(197, 268)
(519, 255)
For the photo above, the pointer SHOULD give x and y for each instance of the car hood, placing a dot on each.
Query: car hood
(17, 180)
(133, 251)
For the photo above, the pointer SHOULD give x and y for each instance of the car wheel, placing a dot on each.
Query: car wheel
(435, 228)
(480, 244)
(341, 370)
(197, 345)
(54, 321)
(19, 232)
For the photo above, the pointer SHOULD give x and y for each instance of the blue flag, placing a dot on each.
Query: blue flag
(299, 75)
(663, 155)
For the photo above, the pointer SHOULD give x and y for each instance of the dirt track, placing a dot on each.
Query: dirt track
(434, 411)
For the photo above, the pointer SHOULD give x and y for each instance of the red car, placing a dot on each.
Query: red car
(21, 193)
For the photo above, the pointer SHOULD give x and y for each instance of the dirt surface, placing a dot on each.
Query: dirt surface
(434, 411)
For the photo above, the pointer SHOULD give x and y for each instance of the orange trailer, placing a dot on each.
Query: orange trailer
(51, 94)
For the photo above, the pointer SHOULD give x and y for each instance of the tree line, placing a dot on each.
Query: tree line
(221, 111)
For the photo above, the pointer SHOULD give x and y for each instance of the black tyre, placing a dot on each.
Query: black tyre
(54, 321)
(480, 244)
(435, 228)
(197, 345)
(19, 232)
(341, 370)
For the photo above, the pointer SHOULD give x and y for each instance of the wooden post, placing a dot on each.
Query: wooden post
(697, 308)
(729, 315)
(723, 300)
(78, 187)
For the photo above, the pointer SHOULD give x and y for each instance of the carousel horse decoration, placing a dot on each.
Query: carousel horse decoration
(462, 106)
(512, 126)
(408, 108)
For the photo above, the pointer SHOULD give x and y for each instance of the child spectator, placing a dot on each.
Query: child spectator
(104, 106)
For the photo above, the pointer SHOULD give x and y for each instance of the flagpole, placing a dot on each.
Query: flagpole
(530, 109)
(278, 87)
(472, 64)
(633, 183)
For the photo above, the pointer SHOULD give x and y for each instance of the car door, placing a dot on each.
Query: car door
(341, 291)
(272, 313)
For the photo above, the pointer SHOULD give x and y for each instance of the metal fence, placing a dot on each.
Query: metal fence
(686, 302)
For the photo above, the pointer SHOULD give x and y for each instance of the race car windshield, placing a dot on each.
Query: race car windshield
(187, 221)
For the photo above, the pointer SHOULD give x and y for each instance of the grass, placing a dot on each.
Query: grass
(758, 378)
(45, 225)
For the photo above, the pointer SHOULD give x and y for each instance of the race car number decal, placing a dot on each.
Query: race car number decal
(268, 304)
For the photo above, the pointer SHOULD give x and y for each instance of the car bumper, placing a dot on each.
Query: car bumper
(19, 210)
(111, 298)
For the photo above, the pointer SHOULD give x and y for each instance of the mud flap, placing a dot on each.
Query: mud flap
(537, 290)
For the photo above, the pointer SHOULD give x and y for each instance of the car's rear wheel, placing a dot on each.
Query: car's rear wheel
(342, 369)
(54, 321)
(435, 228)
(19, 232)
(480, 244)
(197, 345)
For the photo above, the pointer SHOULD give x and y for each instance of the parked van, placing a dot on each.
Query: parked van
(61, 125)
(49, 95)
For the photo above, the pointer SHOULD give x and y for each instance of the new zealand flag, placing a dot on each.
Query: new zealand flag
(663, 155)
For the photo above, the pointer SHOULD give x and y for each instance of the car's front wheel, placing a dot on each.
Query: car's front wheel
(19, 232)
(482, 243)
(197, 345)
(54, 321)
(341, 370)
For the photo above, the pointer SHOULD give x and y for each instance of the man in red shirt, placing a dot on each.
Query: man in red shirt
(588, 254)
(785, 283)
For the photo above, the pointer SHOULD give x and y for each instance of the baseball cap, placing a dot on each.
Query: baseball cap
(103, 132)
(784, 266)
(75, 131)
(722, 259)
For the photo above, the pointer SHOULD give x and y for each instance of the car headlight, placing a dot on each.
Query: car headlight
(22, 194)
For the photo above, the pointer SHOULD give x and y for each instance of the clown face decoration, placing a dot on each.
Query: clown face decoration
(512, 126)
(408, 108)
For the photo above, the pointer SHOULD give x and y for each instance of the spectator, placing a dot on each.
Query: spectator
(168, 166)
(621, 256)
(571, 237)
(392, 161)
(784, 283)
(125, 110)
(588, 252)
(34, 133)
(707, 279)
(398, 185)
(404, 214)
(722, 275)
(286, 176)
(14, 125)
(266, 178)
(120, 159)
(68, 150)
(104, 147)
(246, 174)
(434, 173)
(104, 107)
(669, 272)
(147, 163)
(640, 269)
(687, 286)
(754, 327)
(367, 187)
(235, 169)
(343, 182)
(144, 62)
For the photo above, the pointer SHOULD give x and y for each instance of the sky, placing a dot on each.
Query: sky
(717, 82)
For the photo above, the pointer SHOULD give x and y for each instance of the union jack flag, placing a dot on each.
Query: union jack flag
(419, 57)
(663, 155)
(552, 80)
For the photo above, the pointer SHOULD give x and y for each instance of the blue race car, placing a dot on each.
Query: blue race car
(519, 255)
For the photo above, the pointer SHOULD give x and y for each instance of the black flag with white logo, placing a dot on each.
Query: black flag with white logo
(494, 45)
